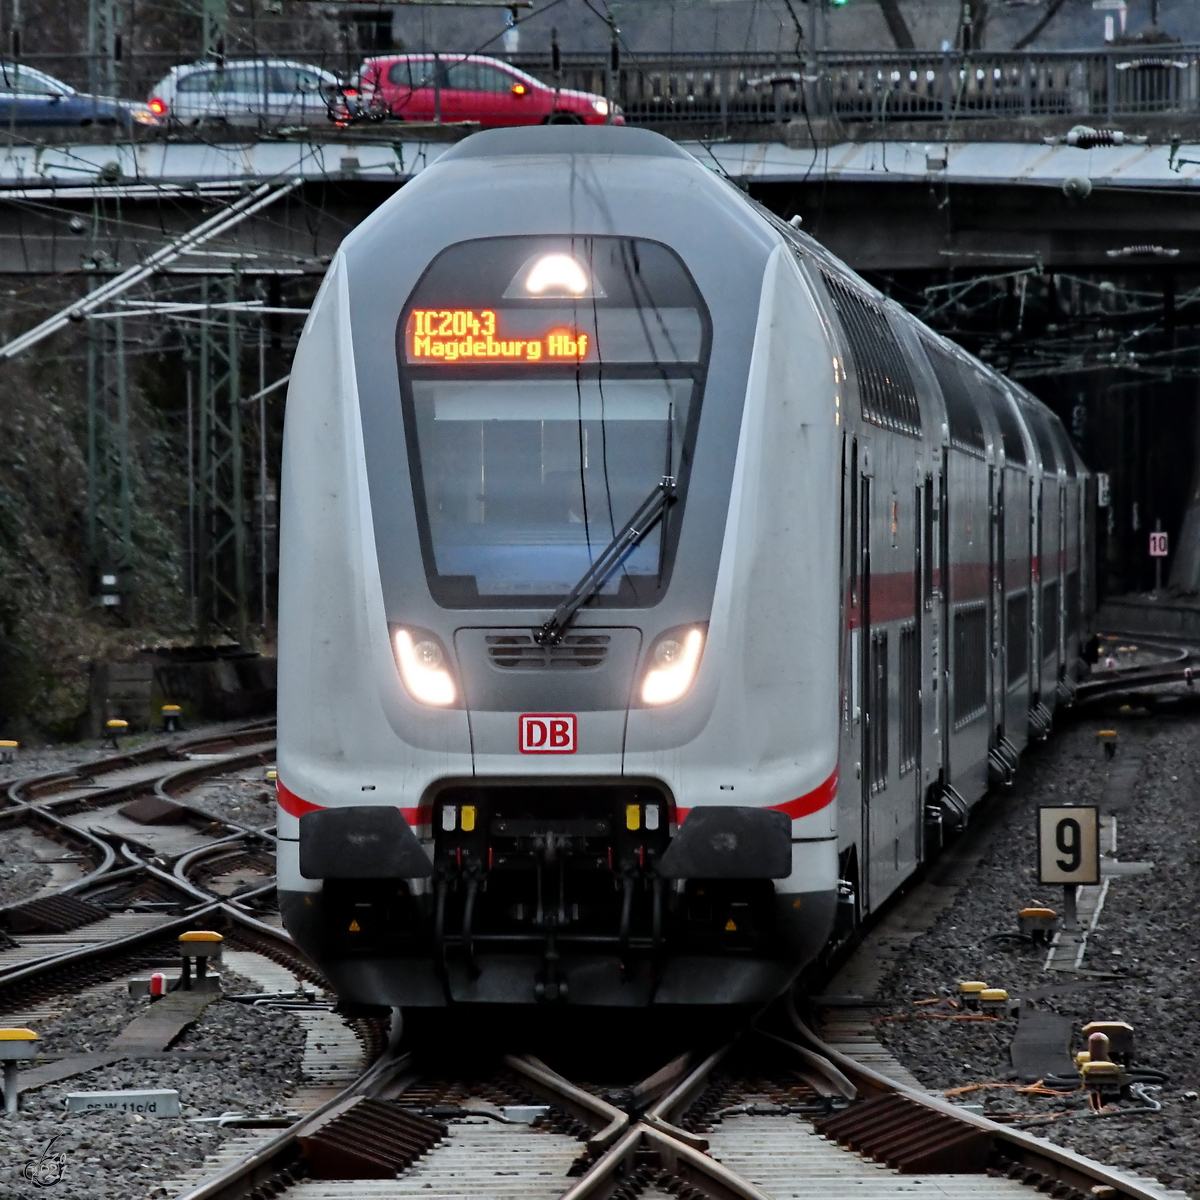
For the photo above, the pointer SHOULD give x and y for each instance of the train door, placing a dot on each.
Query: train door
(943, 611)
(1014, 683)
(929, 748)
(1061, 558)
(852, 818)
(867, 666)
(999, 574)
(995, 486)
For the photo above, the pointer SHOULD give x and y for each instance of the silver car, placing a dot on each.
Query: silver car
(256, 92)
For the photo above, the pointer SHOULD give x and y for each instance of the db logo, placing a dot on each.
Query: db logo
(548, 733)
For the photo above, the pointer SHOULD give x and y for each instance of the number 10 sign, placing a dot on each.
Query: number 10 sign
(1069, 844)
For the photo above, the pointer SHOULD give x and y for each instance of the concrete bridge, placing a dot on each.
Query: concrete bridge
(98, 209)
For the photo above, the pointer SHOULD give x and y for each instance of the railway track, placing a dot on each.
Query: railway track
(762, 1118)
(777, 1112)
(131, 884)
(1175, 664)
(137, 851)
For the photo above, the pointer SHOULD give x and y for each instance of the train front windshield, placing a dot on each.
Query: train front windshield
(548, 385)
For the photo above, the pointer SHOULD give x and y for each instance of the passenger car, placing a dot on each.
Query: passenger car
(31, 97)
(432, 87)
(653, 590)
(256, 92)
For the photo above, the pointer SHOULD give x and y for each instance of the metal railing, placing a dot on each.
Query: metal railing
(724, 91)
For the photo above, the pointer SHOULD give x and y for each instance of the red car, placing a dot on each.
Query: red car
(429, 87)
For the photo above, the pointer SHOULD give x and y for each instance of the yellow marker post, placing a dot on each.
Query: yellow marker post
(16, 1045)
(200, 945)
(114, 729)
(969, 990)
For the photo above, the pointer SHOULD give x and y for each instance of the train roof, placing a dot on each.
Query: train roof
(524, 140)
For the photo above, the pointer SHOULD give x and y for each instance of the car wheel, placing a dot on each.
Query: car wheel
(564, 118)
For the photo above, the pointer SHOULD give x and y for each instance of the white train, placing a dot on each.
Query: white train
(653, 591)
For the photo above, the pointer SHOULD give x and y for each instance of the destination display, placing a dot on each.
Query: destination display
(558, 335)
(451, 335)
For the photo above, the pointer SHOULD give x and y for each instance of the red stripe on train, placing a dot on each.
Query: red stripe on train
(291, 803)
(803, 806)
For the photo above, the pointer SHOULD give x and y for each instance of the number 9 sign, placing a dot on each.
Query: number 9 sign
(1069, 844)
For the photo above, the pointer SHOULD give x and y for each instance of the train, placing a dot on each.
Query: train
(656, 596)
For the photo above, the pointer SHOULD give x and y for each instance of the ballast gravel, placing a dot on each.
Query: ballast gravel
(246, 799)
(1140, 965)
(24, 870)
(234, 1059)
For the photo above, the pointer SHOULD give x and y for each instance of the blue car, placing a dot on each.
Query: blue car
(29, 97)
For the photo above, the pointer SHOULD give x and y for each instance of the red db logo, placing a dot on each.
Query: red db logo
(547, 733)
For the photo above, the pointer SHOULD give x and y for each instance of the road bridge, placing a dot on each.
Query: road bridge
(97, 209)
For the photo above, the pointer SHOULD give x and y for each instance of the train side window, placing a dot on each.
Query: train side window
(957, 384)
(1072, 603)
(910, 697)
(878, 733)
(970, 664)
(854, 523)
(885, 384)
(1050, 618)
(929, 540)
(1017, 638)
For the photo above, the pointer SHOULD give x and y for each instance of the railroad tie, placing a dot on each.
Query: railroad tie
(368, 1139)
(908, 1137)
(52, 914)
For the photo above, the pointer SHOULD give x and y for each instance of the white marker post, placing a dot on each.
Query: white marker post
(1158, 551)
(1069, 851)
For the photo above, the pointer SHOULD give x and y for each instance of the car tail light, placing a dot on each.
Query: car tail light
(157, 105)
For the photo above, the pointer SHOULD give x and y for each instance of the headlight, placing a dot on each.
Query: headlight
(144, 115)
(422, 663)
(600, 105)
(674, 659)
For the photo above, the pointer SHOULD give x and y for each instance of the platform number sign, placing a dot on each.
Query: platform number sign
(1069, 844)
(1158, 544)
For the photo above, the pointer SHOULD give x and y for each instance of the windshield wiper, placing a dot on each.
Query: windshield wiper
(609, 559)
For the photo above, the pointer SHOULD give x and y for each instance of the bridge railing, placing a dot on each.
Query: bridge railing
(724, 91)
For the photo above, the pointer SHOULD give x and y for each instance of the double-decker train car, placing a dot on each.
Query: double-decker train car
(654, 593)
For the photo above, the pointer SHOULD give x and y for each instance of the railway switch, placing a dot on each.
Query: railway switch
(8, 751)
(16, 1045)
(200, 946)
(172, 718)
(1108, 739)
